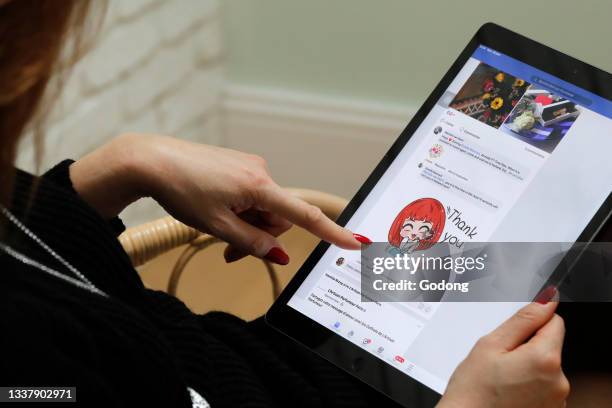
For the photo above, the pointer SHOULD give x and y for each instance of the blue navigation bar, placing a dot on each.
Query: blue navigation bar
(544, 80)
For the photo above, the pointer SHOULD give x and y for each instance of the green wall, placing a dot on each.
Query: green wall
(390, 50)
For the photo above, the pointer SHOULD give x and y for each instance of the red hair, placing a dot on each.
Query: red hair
(423, 209)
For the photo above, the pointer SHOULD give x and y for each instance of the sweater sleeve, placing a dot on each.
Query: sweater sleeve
(60, 176)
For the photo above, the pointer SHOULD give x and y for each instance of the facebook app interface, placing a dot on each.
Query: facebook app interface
(508, 154)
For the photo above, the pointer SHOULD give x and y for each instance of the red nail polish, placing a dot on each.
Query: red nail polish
(362, 239)
(546, 295)
(278, 256)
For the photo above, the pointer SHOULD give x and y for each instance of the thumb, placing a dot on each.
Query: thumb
(550, 336)
(249, 239)
(522, 325)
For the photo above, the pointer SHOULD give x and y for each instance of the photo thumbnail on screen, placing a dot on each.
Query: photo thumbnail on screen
(489, 95)
(541, 118)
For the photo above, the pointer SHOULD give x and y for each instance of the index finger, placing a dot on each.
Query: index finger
(307, 216)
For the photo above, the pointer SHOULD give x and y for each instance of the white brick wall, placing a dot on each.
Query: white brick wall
(156, 67)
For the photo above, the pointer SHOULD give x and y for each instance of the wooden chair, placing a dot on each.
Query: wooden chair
(149, 241)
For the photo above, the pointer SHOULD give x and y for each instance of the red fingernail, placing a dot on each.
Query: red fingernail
(278, 256)
(362, 239)
(546, 295)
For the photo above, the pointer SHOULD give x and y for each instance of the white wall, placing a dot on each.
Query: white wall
(156, 67)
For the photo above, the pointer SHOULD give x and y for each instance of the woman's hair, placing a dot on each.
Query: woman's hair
(423, 209)
(39, 41)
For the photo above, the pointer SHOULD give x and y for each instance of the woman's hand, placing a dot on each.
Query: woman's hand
(222, 192)
(516, 365)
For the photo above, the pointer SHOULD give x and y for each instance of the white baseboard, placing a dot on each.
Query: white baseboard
(311, 141)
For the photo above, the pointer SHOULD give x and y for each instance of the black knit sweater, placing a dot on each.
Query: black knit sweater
(142, 348)
(138, 348)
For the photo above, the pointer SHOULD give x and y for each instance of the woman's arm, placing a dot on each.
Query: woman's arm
(223, 192)
(113, 176)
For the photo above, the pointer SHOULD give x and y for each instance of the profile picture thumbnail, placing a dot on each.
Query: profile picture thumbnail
(489, 95)
(435, 151)
(340, 261)
(437, 130)
(541, 119)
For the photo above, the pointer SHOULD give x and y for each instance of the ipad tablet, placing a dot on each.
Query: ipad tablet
(513, 144)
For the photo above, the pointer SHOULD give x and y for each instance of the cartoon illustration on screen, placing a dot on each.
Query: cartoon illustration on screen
(418, 226)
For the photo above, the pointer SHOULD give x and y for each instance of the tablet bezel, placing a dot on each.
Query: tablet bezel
(356, 360)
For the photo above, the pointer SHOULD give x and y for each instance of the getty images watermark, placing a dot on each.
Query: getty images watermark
(485, 272)
(412, 264)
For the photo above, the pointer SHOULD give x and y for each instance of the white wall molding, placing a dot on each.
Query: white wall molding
(314, 110)
(306, 137)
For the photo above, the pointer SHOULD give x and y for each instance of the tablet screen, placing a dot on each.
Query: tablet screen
(508, 154)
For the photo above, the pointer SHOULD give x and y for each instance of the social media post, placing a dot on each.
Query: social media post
(487, 146)
(414, 218)
(472, 158)
(449, 164)
(413, 223)
(340, 301)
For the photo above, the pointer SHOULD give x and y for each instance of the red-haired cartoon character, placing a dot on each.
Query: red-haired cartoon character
(418, 226)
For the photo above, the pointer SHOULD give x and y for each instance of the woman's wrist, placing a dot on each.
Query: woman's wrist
(115, 175)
